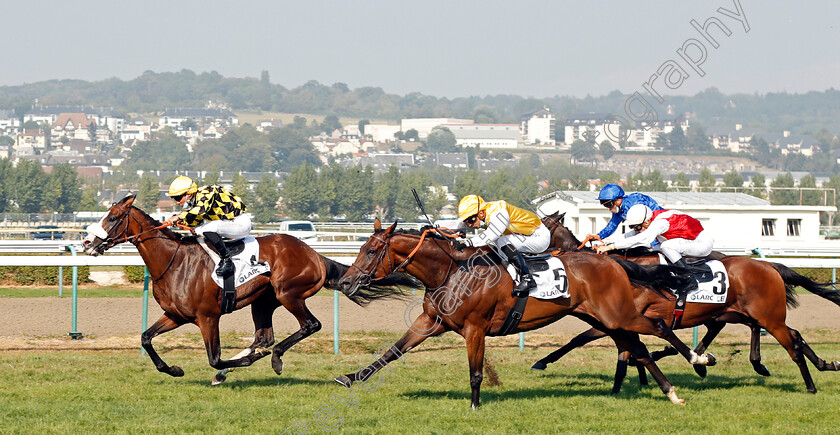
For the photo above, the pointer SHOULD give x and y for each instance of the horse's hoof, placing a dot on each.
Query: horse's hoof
(539, 365)
(761, 369)
(711, 359)
(700, 370)
(344, 380)
(277, 365)
(176, 371)
(218, 378)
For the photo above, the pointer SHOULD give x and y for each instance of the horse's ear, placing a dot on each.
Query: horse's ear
(562, 217)
(128, 200)
(377, 224)
(392, 228)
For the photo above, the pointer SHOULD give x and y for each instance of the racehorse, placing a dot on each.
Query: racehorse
(758, 294)
(180, 270)
(470, 293)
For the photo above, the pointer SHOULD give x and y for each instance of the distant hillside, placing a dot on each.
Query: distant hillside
(799, 113)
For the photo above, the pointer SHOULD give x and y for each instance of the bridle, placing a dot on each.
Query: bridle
(110, 242)
(367, 276)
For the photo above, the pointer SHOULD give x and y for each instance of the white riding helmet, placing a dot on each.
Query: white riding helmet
(638, 214)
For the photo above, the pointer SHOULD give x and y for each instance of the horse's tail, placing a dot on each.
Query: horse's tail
(655, 277)
(793, 279)
(392, 286)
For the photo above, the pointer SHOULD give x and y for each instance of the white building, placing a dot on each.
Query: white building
(425, 125)
(596, 127)
(738, 222)
(538, 127)
(215, 116)
(381, 132)
(486, 135)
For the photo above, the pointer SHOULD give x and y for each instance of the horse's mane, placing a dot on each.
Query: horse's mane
(418, 233)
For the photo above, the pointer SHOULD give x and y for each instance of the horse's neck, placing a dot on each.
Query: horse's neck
(154, 245)
(434, 266)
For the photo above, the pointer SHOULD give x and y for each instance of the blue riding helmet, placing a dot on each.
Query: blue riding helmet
(611, 192)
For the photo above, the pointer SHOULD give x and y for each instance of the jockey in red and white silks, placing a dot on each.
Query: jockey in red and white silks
(678, 233)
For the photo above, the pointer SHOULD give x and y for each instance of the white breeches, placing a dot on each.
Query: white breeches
(237, 228)
(674, 249)
(535, 243)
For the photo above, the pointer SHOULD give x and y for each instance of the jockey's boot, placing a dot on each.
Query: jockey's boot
(526, 281)
(225, 263)
(692, 283)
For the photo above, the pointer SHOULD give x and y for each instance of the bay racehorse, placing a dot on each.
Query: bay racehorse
(469, 292)
(758, 295)
(180, 270)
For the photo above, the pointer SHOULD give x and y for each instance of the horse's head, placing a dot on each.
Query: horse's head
(111, 230)
(561, 237)
(369, 264)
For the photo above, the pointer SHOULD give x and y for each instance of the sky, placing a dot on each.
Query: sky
(531, 48)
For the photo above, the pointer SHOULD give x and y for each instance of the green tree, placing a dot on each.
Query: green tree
(706, 178)
(299, 198)
(167, 152)
(781, 196)
(609, 177)
(89, 200)
(148, 193)
(241, 187)
(63, 192)
(582, 151)
(331, 124)
(606, 149)
(440, 139)
(7, 172)
(468, 183)
(386, 191)
(733, 178)
(266, 195)
(362, 124)
(357, 193)
(211, 178)
(329, 181)
(681, 181)
(758, 186)
(411, 135)
(809, 197)
(28, 181)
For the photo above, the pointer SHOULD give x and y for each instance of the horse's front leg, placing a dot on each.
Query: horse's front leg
(261, 313)
(580, 340)
(164, 324)
(209, 326)
(658, 327)
(474, 336)
(423, 327)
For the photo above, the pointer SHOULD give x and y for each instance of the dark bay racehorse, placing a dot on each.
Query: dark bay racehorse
(183, 287)
(469, 292)
(759, 292)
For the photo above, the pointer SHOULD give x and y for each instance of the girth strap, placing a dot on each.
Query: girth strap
(513, 317)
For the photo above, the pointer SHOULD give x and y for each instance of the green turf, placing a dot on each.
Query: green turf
(111, 391)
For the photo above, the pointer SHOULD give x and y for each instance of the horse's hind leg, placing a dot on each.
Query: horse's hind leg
(812, 356)
(164, 324)
(261, 311)
(308, 326)
(640, 352)
(785, 337)
(755, 351)
(582, 339)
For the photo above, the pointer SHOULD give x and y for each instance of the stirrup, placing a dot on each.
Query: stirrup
(524, 287)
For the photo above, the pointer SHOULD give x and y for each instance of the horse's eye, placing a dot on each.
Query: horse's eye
(112, 218)
(371, 252)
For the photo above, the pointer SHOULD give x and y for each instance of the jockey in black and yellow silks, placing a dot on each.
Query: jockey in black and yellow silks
(214, 212)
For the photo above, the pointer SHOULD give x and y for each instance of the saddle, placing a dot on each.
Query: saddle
(700, 270)
(235, 246)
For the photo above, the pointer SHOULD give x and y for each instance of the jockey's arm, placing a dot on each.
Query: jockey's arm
(612, 225)
(497, 223)
(645, 238)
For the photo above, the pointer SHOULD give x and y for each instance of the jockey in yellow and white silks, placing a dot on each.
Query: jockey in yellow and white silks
(214, 212)
(511, 228)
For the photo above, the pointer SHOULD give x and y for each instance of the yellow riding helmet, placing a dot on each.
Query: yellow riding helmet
(469, 206)
(182, 185)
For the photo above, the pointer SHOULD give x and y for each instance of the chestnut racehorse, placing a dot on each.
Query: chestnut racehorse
(183, 287)
(758, 294)
(470, 293)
